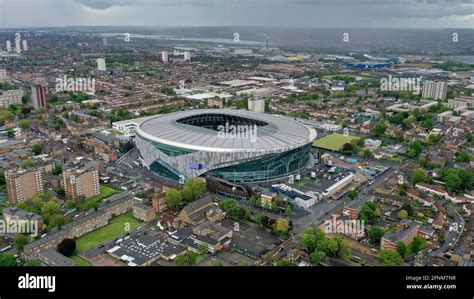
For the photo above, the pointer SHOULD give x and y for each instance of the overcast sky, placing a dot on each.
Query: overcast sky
(281, 13)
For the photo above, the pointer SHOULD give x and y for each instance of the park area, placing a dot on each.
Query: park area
(115, 228)
(333, 142)
(105, 191)
(80, 261)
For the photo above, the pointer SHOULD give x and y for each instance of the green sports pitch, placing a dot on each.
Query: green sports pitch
(333, 142)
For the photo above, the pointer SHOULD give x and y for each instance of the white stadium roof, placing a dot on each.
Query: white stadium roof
(279, 133)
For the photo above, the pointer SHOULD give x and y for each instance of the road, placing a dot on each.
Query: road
(451, 237)
(365, 258)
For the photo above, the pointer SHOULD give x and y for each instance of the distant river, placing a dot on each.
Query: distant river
(462, 58)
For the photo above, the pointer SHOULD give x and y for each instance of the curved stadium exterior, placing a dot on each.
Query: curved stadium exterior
(188, 144)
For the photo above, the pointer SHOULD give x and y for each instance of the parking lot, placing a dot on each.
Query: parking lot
(319, 178)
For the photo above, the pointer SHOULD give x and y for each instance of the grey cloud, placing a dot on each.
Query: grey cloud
(104, 4)
(286, 13)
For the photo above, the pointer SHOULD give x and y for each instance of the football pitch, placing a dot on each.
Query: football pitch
(333, 142)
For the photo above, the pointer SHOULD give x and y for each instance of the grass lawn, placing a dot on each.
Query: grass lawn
(105, 191)
(333, 142)
(80, 261)
(201, 258)
(115, 228)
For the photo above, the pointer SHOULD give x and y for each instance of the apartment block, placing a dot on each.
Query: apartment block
(23, 184)
(19, 216)
(256, 105)
(79, 182)
(119, 204)
(406, 231)
(3, 75)
(461, 102)
(143, 212)
(38, 96)
(10, 97)
(434, 90)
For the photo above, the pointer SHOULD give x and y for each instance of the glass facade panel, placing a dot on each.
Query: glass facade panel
(171, 151)
(269, 167)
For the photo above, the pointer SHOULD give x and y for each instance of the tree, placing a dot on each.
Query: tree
(70, 204)
(202, 248)
(369, 212)
(416, 245)
(408, 207)
(379, 130)
(187, 194)
(196, 186)
(403, 192)
(67, 247)
(434, 138)
(54, 220)
(281, 226)
(316, 257)
(20, 242)
(227, 205)
(61, 192)
(218, 264)
(238, 212)
(463, 157)
(418, 175)
(187, 259)
(33, 263)
(338, 248)
(58, 169)
(458, 180)
(261, 219)
(375, 234)
(283, 263)
(352, 194)
(36, 149)
(50, 207)
(27, 163)
(10, 133)
(347, 148)
(453, 182)
(8, 260)
(315, 240)
(24, 124)
(442, 235)
(401, 249)
(428, 123)
(390, 258)
(403, 214)
(173, 198)
(417, 147)
(288, 211)
(2, 178)
(367, 154)
(274, 207)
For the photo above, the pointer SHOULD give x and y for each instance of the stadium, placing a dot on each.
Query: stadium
(235, 145)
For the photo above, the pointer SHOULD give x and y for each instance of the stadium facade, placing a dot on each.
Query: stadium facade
(235, 145)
